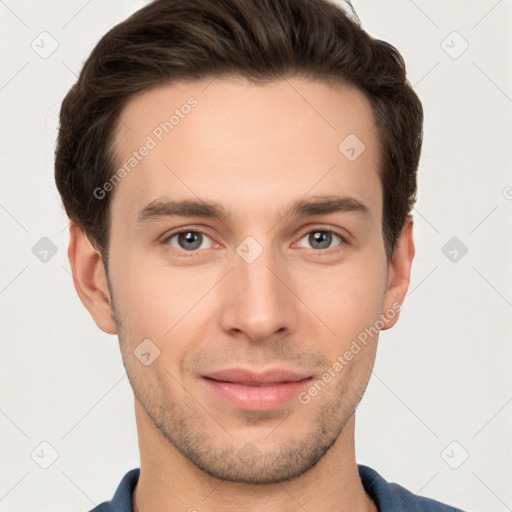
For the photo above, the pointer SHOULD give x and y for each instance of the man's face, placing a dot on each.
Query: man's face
(265, 288)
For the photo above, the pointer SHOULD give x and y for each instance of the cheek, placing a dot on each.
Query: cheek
(170, 304)
(150, 293)
(164, 304)
(348, 299)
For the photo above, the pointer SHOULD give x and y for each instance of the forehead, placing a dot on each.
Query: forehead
(236, 142)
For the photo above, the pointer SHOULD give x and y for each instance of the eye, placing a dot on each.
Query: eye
(189, 240)
(321, 239)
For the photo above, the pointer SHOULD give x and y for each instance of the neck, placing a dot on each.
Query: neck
(168, 481)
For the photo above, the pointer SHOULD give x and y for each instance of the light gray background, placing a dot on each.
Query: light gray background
(441, 387)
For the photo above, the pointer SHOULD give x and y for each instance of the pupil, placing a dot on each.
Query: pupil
(321, 238)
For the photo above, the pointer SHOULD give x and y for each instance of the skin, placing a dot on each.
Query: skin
(254, 149)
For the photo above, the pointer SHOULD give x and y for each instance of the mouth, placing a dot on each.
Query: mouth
(256, 391)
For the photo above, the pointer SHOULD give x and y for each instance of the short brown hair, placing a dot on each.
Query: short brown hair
(261, 40)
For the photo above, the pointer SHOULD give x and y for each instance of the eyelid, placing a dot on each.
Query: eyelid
(344, 240)
(186, 229)
(342, 233)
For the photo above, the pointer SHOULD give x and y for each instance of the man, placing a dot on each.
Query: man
(280, 142)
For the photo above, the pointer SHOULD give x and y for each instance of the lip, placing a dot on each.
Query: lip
(256, 391)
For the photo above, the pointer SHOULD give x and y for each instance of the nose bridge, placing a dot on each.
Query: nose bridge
(259, 303)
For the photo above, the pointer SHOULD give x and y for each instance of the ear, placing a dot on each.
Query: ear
(90, 279)
(399, 274)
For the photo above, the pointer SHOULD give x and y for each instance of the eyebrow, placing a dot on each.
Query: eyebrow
(318, 205)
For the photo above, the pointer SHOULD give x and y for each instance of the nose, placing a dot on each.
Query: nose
(258, 299)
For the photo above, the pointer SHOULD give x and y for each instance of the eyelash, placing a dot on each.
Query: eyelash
(319, 252)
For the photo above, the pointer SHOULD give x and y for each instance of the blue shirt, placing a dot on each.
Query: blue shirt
(388, 497)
